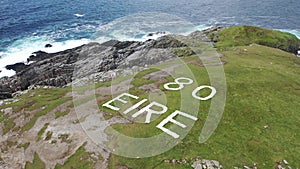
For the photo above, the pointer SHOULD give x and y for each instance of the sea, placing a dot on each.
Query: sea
(27, 26)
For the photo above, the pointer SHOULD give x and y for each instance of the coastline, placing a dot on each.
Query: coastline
(20, 50)
(36, 70)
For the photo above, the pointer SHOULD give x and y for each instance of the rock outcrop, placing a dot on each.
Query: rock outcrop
(208, 35)
(48, 46)
(59, 69)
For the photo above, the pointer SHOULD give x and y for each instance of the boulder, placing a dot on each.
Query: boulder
(18, 67)
(48, 46)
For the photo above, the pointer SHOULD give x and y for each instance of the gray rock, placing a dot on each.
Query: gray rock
(93, 60)
(48, 45)
(208, 35)
(8, 110)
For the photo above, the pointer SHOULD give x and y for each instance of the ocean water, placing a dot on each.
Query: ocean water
(27, 26)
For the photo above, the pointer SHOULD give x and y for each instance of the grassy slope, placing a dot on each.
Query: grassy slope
(246, 35)
(263, 89)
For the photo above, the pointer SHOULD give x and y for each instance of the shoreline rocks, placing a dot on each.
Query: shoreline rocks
(48, 46)
(61, 68)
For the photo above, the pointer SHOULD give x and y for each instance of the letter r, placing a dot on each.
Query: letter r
(151, 111)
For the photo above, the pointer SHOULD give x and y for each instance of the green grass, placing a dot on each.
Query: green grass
(246, 35)
(51, 106)
(10, 144)
(48, 135)
(80, 160)
(64, 138)
(181, 52)
(8, 124)
(24, 145)
(139, 80)
(41, 99)
(2, 117)
(37, 98)
(61, 114)
(42, 131)
(263, 90)
(36, 164)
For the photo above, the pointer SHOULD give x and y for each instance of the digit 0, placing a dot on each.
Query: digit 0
(212, 94)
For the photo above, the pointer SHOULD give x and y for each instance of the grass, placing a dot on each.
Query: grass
(24, 145)
(64, 138)
(48, 99)
(246, 35)
(48, 135)
(61, 114)
(2, 117)
(36, 164)
(41, 99)
(8, 124)
(10, 143)
(42, 131)
(263, 90)
(79, 160)
(139, 80)
(186, 51)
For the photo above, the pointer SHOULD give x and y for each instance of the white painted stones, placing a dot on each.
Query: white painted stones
(149, 110)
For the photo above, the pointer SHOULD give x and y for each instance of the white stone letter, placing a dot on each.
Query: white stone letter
(212, 94)
(135, 106)
(170, 119)
(119, 98)
(180, 82)
(151, 111)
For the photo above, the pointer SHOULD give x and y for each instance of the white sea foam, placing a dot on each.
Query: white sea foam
(61, 46)
(154, 35)
(294, 31)
(21, 49)
(79, 15)
(138, 26)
